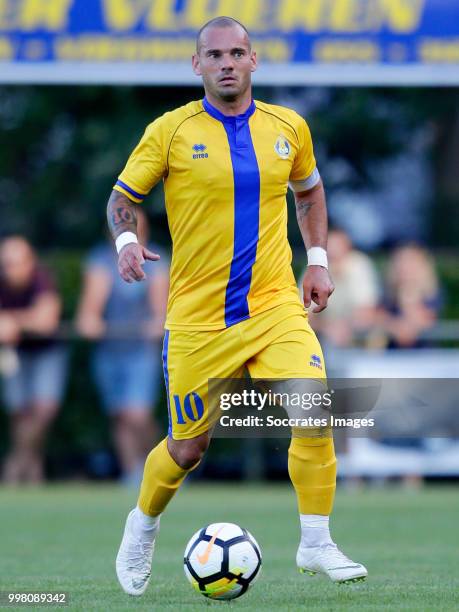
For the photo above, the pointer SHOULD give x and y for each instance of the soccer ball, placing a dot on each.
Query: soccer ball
(222, 560)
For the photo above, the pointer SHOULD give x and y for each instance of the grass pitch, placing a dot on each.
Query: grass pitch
(65, 538)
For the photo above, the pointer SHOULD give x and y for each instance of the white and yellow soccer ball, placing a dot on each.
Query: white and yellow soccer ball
(222, 560)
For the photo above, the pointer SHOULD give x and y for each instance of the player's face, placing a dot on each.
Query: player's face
(225, 62)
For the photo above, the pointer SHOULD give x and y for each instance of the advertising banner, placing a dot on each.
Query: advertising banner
(298, 42)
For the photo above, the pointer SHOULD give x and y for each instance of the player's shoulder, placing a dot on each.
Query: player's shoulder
(172, 119)
(283, 113)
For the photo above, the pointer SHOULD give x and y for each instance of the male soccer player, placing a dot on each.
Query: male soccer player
(226, 162)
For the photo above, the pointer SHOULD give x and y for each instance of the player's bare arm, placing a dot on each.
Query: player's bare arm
(311, 213)
(122, 218)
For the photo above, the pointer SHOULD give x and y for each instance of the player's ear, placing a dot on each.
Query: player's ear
(253, 61)
(195, 64)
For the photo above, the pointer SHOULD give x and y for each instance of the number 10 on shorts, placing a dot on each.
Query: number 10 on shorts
(191, 409)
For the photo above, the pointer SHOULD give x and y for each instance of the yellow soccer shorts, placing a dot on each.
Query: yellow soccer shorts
(276, 344)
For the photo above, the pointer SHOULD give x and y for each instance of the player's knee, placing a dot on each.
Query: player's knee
(187, 453)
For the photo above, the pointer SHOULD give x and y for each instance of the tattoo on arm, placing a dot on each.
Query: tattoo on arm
(121, 215)
(302, 210)
(311, 214)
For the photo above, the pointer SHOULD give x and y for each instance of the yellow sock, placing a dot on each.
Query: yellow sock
(312, 470)
(161, 479)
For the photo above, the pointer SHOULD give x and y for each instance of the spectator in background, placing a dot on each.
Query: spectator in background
(34, 364)
(412, 298)
(126, 363)
(352, 307)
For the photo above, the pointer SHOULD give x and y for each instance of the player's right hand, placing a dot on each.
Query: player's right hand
(131, 259)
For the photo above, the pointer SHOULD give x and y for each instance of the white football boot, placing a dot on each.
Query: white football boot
(329, 560)
(133, 562)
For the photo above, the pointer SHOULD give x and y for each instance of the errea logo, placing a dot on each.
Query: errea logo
(199, 151)
(316, 362)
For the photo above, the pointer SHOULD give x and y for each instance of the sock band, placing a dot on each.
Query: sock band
(144, 521)
(315, 530)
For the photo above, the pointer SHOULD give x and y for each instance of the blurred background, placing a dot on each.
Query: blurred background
(378, 83)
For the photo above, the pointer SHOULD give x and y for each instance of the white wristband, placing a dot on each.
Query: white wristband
(317, 256)
(124, 239)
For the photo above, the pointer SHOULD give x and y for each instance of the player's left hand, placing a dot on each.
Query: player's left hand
(317, 287)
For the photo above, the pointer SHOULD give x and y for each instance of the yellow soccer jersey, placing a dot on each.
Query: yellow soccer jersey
(225, 182)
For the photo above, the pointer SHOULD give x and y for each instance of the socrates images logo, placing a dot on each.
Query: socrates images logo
(316, 362)
(282, 147)
(199, 151)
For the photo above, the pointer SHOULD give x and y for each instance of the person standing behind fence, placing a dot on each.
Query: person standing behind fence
(412, 299)
(127, 321)
(352, 311)
(34, 363)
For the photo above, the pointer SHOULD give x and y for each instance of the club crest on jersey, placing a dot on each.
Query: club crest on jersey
(282, 147)
(199, 151)
(316, 362)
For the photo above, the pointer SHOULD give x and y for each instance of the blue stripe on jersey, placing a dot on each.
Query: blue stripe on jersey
(139, 196)
(166, 377)
(246, 211)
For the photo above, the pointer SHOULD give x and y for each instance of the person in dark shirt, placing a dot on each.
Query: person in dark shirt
(412, 299)
(33, 363)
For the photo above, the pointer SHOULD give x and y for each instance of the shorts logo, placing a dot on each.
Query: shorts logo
(199, 151)
(316, 362)
(282, 147)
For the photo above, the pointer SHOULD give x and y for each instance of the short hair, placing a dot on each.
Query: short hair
(220, 22)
